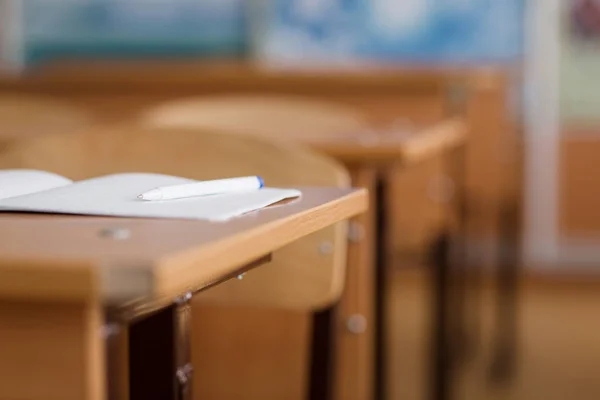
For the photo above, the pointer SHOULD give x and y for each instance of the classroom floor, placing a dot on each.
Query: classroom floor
(559, 343)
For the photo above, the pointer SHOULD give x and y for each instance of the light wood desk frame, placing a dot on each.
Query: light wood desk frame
(139, 314)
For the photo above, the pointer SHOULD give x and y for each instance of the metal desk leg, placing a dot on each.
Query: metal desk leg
(450, 284)
(505, 351)
(323, 354)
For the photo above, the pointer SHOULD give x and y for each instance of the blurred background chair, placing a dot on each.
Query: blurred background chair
(27, 115)
(278, 116)
(251, 338)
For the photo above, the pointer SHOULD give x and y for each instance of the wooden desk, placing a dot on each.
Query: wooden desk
(67, 283)
(402, 148)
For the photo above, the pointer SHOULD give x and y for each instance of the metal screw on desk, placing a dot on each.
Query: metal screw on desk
(356, 232)
(356, 324)
(184, 299)
(109, 330)
(115, 233)
(326, 248)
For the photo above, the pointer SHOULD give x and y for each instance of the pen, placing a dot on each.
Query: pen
(203, 188)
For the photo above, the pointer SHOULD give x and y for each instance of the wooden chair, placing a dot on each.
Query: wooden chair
(285, 117)
(28, 115)
(239, 354)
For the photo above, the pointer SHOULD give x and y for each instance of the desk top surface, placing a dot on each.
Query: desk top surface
(404, 146)
(117, 260)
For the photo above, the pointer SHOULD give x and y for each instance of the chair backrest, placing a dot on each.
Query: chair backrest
(308, 274)
(28, 115)
(284, 117)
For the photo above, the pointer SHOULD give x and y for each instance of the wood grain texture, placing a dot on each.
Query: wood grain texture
(177, 254)
(51, 351)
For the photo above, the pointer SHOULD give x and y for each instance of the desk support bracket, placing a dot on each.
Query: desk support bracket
(149, 352)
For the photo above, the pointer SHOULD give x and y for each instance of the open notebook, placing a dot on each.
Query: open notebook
(116, 195)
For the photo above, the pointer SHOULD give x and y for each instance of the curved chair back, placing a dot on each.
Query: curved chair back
(283, 117)
(28, 115)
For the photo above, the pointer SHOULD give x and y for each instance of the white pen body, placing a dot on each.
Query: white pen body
(205, 188)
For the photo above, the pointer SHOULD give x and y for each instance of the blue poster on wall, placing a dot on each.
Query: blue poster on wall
(454, 31)
(131, 28)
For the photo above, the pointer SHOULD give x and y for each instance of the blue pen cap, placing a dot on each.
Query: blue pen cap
(261, 182)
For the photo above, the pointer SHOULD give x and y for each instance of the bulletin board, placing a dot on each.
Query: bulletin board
(450, 31)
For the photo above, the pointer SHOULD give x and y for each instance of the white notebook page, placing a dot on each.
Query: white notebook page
(17, 182)
(116, 195)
